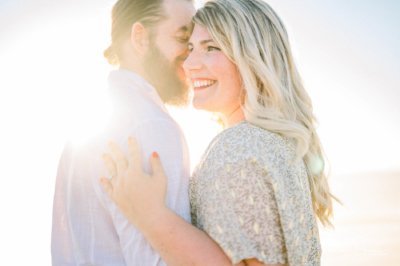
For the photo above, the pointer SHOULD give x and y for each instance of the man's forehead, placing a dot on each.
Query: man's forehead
(177, 25)
(179, 13)
(178, 7)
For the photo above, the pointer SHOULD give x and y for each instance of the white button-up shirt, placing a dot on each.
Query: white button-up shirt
(88, 229)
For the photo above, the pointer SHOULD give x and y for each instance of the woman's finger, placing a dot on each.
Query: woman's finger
(112, 168)
(107, 186)
(156, 165)
(135, 159)
(110, 164)
(118, 155)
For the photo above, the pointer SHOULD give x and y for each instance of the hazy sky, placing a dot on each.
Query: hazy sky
(348, 54)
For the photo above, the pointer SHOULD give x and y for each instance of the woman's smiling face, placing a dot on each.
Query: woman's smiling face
(214, 77)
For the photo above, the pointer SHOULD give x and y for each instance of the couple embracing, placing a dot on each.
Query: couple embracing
(127, 198)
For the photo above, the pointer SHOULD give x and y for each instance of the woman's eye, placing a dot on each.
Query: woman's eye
(212, 48)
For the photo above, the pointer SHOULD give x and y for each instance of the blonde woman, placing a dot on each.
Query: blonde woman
(260, 186)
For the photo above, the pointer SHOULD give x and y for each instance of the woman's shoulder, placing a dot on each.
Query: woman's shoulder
(248, 132)
(246, 140)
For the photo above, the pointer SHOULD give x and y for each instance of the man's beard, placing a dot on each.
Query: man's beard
(163, 75)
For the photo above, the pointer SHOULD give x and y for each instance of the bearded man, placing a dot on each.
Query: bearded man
(149, 44)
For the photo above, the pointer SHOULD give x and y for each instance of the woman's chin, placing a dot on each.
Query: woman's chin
(200, 105)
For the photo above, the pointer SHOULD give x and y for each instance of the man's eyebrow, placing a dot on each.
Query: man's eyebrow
(183, 29)
(188, 28)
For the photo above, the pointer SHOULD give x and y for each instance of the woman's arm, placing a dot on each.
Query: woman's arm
(141, 198)
(180, 243)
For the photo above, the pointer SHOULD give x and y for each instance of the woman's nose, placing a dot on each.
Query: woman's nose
(192, 62)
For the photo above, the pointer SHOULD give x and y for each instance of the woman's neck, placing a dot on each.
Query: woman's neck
(234, 117)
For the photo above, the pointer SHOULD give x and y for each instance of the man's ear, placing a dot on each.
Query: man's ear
(140, 38)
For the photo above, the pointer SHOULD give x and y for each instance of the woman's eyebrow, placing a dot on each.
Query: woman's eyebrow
(206, 41)
(202, 42)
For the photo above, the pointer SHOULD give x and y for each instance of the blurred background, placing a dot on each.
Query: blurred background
(53, 79)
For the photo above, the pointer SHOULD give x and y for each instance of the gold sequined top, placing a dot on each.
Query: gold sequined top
(253, 198)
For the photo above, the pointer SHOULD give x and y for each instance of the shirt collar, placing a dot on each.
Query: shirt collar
(125, 85)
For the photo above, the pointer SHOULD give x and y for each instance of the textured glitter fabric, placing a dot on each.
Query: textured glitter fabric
(253, 198)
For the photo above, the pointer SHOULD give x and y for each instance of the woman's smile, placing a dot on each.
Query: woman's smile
(200, 84)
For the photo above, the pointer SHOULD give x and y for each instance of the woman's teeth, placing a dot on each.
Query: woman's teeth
(203, 83)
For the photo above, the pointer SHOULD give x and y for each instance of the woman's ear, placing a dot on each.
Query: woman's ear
(140, 38)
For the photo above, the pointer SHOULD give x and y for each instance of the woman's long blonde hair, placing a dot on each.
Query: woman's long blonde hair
(251, 34)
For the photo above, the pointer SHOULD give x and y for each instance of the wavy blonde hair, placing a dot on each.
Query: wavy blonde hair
(251, 34)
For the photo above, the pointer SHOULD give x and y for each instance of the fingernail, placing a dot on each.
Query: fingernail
(155, 154)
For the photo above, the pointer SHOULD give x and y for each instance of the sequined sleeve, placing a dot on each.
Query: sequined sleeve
(245, 220)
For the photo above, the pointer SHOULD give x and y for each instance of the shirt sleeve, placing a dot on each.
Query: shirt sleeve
(242, 215)
(166, 139)
(61, 242)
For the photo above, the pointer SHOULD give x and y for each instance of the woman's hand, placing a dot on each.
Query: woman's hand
(140, 196)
